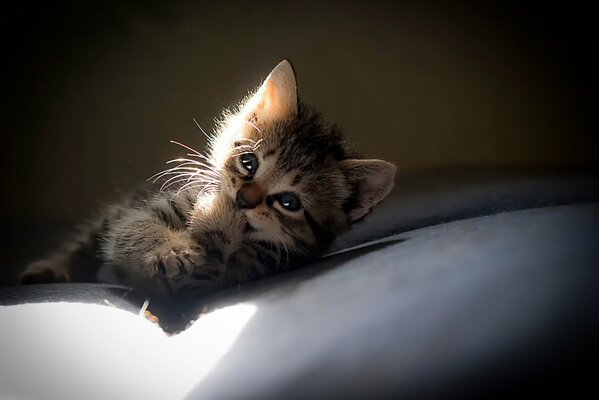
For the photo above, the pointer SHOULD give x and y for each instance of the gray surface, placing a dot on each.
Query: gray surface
(445, 309)
(435, 197)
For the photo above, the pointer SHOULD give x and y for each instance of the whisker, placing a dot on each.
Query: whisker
(178, 169)
(252, 125)
(187, 161)
(194, 180)
(182, 177)
(185, 146)
(162, 174)
(195, 152)
(258, 143)
(241, 139)
(198, 125)
(244, 146)
(186, 167)
(188, 177)
(208, 189)
(186, 186)
(196, 162)
(173, 183)
(208, 159)
(245, 152)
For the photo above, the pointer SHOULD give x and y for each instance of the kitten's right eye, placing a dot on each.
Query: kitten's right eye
(290, 201)
(250, 162)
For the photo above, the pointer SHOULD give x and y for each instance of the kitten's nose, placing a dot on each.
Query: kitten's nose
(249, 196)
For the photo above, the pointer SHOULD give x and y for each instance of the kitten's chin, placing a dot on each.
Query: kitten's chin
(255, 229)
(254, 224)
(248, 228)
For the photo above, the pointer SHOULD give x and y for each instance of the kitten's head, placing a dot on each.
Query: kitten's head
(289, 170)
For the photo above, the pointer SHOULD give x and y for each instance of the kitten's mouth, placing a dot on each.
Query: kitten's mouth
(248, 228)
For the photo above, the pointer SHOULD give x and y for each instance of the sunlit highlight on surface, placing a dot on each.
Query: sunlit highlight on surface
(75, 351)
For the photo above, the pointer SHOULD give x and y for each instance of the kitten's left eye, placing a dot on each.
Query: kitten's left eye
(290, 201)
(250, 162)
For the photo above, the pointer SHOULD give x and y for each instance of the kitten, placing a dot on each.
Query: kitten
(277, 186)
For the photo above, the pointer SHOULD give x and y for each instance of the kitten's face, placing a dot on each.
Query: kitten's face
(290, 192)
(289, 172)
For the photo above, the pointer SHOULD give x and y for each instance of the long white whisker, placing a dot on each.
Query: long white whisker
(195, 152)
(185, 146)
(208, 189)
(186, 167)
(258, 143)
(253, 126)
(187, 161)
(188, 185)
(244, 152)
(208, 159)
(188, 180)
(182, 177)
(178, 169)
(174, 183)
(198, 125)
(199, 165)
(242, 139)
(181, 159)
(244, 146)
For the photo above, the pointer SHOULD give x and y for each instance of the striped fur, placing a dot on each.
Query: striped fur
(196, 235)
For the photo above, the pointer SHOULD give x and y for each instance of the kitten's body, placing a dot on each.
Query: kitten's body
(279, 184)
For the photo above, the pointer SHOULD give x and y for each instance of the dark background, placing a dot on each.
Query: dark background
(93, 91)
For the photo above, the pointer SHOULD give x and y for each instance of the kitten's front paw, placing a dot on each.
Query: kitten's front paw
(172, 261)
(45, 271)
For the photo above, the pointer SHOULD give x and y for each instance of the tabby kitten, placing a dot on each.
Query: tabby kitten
(277, 186)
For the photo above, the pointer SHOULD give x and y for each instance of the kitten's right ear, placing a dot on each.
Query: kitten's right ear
(276, 99)
(371, 181)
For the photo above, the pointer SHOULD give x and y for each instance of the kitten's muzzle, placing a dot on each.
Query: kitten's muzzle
(249, 196)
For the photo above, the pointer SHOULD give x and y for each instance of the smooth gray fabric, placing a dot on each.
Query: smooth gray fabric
(434, 312)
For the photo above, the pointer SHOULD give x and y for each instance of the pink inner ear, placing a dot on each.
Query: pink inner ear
(374, 180)
(277, 104)
(277, 97)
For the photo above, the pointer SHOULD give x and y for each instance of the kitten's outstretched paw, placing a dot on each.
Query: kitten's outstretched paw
(170, 262)
(44, 271)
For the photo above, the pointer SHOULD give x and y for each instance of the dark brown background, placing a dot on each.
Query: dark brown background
(94, 92)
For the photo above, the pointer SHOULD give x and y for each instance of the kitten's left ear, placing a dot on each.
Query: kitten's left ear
(277, 97)
(372, 180)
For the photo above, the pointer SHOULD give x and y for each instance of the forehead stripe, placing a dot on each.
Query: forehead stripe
(269, 153)
(296, 180)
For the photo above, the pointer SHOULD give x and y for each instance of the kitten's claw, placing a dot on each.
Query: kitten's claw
(159, 268)
(182, 270)
(172, 263)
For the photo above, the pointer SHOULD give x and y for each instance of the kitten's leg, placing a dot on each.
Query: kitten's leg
(75, 261)
(150, 245)
(219, 225)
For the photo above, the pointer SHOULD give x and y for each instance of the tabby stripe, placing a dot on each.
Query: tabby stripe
(314, 226)
(296, 180)
(178, 212)
(269, 153)
(163, 216)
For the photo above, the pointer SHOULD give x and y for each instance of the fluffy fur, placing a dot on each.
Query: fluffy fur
(277, 186)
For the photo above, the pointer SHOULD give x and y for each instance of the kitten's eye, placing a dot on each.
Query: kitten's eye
(290, 201)
(250, 162)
